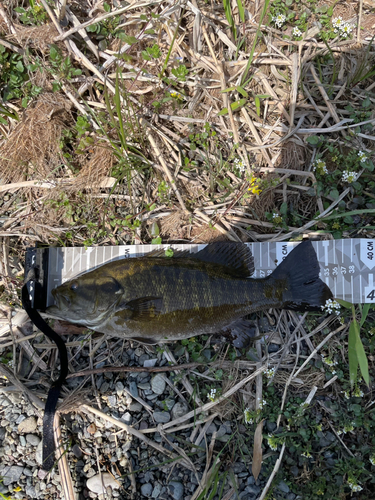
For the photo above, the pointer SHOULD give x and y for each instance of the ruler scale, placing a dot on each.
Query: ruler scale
(347, 266)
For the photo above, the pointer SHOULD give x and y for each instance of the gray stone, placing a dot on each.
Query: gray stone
(30, 491)
(273, 348)
(271, 426)
(179, 409)
(22, 440)
(161, 417)
(20, 418)
(220, 433)
(11, 474)
(119, 387)
(167, 404)
(39, 453)
(211, 429)
(146, 490)
(28, 425)
(238, 467)
(137, 407)
(176, 490)
(253, 489)
(294, 470)
(142, 359)
(33, 439)
(97, 482)
(290, 496)
(127, 418)
(133, 389)
(282, 486)
(158, 384)
(112, 400)
(150, 363)
(77, 451)
(144, 386)
(104, 387)
(156, 491)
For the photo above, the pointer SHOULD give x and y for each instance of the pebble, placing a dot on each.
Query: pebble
(77, 451)
(28, 425)
(150, 363)
(158, 384)
(95, 483)
(179, 409)
(127, 418)
(133, 389)
(30, 491)
(161, 417)
(33, 439)
(39, 453)
(176, 490)
(137, 407)
(112, 400)
(273, 348)
(157, 490)
(146, 490)
(282, 486)
(11, 474)
(220, 433)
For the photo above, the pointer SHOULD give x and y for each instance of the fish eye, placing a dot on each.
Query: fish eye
(74, 286)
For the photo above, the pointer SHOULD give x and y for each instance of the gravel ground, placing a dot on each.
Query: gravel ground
(142, 400)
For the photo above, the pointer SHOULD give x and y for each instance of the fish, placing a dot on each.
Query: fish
(156, 299)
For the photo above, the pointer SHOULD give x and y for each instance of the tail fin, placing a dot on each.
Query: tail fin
(305, 290)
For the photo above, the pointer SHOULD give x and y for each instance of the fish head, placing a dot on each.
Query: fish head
(87, 299)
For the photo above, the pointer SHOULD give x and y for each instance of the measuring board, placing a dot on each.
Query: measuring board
(346, 266)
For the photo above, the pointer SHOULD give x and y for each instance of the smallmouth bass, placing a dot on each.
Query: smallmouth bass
(156, 299)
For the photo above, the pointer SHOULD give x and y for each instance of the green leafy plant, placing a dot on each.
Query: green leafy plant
(34, 15)
(356, 352)
(62, 66)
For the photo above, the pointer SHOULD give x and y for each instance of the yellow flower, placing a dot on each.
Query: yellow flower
(254, 187)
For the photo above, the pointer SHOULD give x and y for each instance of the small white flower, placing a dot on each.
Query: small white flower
(346, 29)
(270, 372)
(279, 20)
(331, 306)
(262, 403)
(354, 486)
(297, 32)
(362, 156)
(212, 395)
(306, 454)
(240, 164)
(337, 22)
(247, 415)
(372, 459)
(346, 394)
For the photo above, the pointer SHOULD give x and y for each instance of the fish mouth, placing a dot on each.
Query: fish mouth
(61, 300)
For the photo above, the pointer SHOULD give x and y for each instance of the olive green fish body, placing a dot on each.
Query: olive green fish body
(159, 299)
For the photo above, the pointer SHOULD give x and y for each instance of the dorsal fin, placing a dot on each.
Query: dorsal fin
(235, 256)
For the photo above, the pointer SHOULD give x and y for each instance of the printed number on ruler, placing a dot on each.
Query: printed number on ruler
(367, 252)
(370, 290)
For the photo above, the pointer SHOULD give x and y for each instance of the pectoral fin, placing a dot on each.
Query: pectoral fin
(143, 309)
